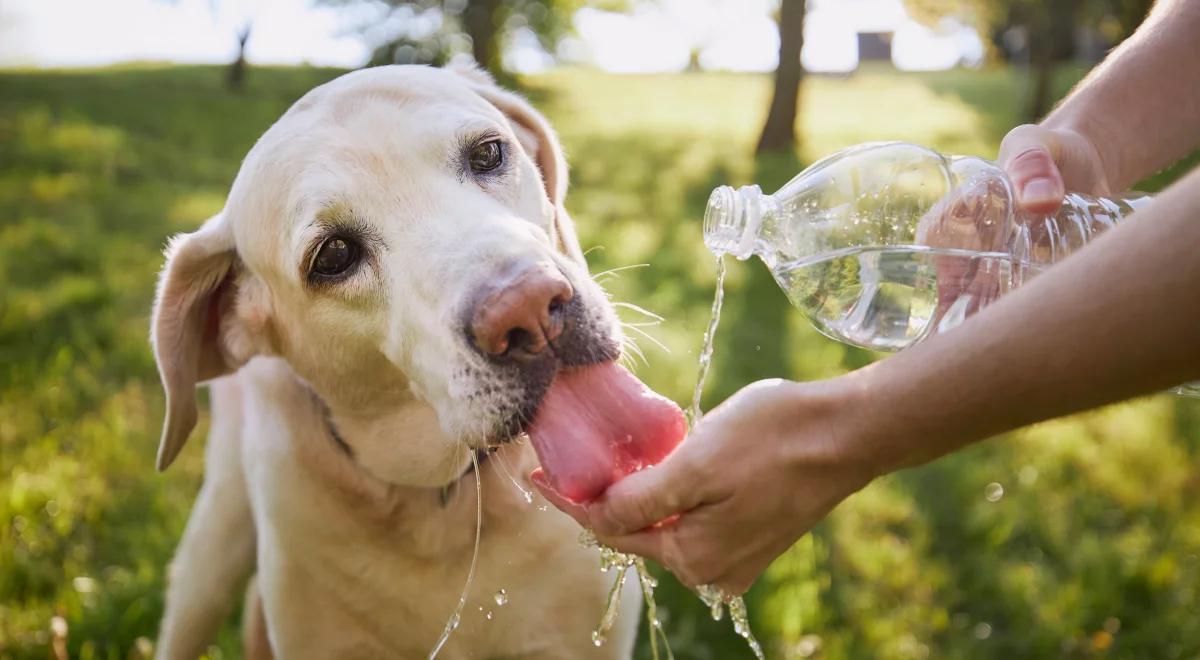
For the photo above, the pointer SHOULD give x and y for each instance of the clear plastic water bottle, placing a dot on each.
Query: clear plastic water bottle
(882, 245)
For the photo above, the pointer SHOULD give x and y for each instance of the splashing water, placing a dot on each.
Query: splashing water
(712, 596)
(622, 562)
(455, 618)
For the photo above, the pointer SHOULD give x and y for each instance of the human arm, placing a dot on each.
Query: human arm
(1118, 319)
(1134, 114)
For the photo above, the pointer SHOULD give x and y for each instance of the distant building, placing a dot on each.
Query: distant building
(841, 34)
(875, 46)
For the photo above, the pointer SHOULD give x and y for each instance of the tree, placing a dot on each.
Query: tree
(433, 31)
(237, 68)
(1047, 31)
(779, 131)
(236, 75)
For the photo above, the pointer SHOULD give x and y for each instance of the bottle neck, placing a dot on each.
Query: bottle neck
(733, 219)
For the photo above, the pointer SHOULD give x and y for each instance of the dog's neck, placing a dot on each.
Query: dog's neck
(400, 445)
(336, 437)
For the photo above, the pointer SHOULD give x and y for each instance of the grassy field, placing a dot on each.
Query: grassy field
(1093, 549)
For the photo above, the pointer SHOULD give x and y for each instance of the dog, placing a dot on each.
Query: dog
(390, 287)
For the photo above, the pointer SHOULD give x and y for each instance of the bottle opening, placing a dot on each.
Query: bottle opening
(720, 232)
(731, 220)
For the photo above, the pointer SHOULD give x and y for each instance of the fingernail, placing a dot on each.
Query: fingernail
(1038, 191)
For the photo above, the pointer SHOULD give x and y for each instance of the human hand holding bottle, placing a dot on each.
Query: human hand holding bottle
(1042, 164)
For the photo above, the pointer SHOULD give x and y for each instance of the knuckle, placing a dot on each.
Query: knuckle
(1023, 138)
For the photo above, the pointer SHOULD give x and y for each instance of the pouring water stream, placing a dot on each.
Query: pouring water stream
(716, 599)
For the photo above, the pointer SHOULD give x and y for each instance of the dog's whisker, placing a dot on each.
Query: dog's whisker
(649, 337)
(630, 350)
(618, 269)
(630, 343)
(638, 309)
(628, 361)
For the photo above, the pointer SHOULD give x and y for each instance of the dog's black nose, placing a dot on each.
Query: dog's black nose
(519, 315)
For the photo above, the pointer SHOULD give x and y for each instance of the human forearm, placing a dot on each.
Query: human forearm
(1139, 108)
(1119, 319)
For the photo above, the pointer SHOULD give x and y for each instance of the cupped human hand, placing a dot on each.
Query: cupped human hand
(1044, 163)
(753, 477)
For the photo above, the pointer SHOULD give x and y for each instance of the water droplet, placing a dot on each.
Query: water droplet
(982, 631)
(528, 496)
(454, 621)
(993, 492)
(501, 598)
(758, 348)
(597, 638)
(542, 507)
(488, 615)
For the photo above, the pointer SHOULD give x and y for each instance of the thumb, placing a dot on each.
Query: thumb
(1028, 155)
(648, 496)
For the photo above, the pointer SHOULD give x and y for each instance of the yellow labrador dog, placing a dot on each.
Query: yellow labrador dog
(392, 285)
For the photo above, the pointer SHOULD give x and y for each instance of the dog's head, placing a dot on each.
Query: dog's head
(399, 237)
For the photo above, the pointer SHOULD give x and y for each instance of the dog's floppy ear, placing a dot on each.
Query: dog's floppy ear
(541, 143)
(195, 290)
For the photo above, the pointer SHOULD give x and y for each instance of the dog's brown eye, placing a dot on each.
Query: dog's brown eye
(486, 156)
(335, 257)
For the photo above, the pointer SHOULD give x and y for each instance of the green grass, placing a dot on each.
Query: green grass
(1094, 547)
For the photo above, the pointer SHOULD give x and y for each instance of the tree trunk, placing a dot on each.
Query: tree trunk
(237, 69)
(480, 20)
(1041, 72)
(1051, 40)
(779, 132)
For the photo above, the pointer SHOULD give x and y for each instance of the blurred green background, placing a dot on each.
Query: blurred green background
(1075, 538)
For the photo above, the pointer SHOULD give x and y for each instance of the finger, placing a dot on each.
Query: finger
(576, 511)
(649, 544)
(647, 497)
(1028, 156)
(662, 545)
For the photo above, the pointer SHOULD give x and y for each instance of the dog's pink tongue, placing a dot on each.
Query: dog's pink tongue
(598, 424)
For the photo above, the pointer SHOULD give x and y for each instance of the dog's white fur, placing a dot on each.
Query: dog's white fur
(354, 553)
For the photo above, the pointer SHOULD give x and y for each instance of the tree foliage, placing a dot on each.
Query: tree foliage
(1037, 33)
(434, 31)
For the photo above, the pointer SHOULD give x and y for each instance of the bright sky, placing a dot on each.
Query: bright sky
(657, 36)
